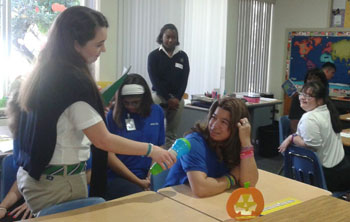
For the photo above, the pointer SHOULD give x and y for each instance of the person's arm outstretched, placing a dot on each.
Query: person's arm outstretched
(103, 139)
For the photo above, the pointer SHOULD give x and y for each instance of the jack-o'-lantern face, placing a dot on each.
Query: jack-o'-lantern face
(245, 203)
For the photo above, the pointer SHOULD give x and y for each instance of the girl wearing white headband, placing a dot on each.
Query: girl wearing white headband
(134, 116)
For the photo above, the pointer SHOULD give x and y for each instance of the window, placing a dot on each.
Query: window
(24, 27)
(253, 45)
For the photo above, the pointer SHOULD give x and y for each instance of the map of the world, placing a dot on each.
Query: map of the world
(315, 49)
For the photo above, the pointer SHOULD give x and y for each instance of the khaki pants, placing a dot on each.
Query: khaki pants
(46, 192)
(173, 118)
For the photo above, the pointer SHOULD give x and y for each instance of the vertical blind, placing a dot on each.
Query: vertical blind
(138, 26)
(202, 34)
(253, 46)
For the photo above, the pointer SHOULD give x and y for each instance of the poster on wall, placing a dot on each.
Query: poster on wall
(311, 49)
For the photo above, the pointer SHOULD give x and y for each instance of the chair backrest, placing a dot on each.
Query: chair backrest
(284, 128)
(70, 205)
(8, 175)
(158, 181)
(303, 165)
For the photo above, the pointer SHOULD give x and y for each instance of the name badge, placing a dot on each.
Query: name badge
(130, 124)
(179, 65)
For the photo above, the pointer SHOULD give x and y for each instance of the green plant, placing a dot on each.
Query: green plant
(41, 13)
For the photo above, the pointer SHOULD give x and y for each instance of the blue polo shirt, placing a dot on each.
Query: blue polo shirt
(200, 158)
(150, 130)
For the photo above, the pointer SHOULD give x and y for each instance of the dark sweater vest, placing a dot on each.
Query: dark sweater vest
(168, 75)
(37, 131)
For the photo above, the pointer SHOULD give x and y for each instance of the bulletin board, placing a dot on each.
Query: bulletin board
(311, 49)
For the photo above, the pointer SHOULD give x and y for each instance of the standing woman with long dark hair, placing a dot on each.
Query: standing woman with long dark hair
(61, 104)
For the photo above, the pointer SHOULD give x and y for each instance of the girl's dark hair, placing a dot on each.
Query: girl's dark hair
(228, 150)
(76, 24)
(163, 29)
(146, 101)
(317, 75)
(319, 91)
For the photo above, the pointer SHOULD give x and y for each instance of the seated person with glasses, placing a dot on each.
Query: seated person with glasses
(319, 130)
(136, 117)
(296, 111)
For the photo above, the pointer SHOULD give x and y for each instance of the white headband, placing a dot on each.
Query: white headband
(132, 89)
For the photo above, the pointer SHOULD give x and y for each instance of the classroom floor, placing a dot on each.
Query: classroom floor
(271, 164)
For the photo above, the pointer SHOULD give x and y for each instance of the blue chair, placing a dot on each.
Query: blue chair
(284, 132)
(303, 165)
(8, 175)
(70, 205)
(284, 128)
(158, 181)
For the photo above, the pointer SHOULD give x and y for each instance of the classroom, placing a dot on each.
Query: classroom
(249, 159)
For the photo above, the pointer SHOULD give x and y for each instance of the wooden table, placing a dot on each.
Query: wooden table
(320, 209)
(345, 140)
(272, 186)
(345, 117)
(143, 206)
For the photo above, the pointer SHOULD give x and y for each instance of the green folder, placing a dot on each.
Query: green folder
(109, 92)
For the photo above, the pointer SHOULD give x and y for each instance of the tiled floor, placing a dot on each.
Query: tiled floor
(271, 164)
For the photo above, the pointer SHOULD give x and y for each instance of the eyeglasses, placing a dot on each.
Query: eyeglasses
(306, 96)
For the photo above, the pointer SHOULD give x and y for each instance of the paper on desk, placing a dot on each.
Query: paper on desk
(344, 134)
(279, 205)
(6, 143)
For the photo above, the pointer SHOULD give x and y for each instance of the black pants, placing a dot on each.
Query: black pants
(338, 177)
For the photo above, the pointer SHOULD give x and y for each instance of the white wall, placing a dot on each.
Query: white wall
(108, 60)
(292, 14)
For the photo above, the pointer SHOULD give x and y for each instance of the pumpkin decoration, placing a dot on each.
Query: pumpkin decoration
(245, 203)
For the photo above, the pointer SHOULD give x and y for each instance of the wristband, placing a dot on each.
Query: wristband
(149, 151)
(247, 154)
(228, 182)
(231, 180)
(4, 208)
(247, 148)
(294, 135)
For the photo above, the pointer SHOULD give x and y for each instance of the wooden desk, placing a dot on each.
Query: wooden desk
(341, 103)
(272, 186)
(143, 206)
(345, 117)
(345, 140)
(320, 209)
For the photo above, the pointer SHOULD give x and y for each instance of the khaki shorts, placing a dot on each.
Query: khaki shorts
(50, 190)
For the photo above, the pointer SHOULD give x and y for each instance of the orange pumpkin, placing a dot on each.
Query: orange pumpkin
(245, 203)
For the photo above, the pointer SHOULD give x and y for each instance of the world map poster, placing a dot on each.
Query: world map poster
(308, 50)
